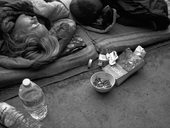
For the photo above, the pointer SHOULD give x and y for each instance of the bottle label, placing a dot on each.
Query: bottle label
(32, 97)
(102, 57)
(4, 107)
(9, 119)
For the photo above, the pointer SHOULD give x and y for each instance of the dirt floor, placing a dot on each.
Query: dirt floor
(142, 101)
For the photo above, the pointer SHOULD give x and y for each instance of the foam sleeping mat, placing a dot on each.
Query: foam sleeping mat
(122, 37)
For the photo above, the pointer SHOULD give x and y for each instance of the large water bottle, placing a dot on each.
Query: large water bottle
(12, 118)
(33, 99)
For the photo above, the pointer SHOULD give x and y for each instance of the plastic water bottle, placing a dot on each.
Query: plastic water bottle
(33, 99)
(12, 118)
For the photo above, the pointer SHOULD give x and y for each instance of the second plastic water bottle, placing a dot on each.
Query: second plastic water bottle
(12, 118)
(33, 99)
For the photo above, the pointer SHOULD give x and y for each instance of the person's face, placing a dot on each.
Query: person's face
(27, 24)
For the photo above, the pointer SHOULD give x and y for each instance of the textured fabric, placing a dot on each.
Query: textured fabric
(10, 11)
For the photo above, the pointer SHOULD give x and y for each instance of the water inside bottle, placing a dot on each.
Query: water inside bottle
(38, 113)
(34, 103)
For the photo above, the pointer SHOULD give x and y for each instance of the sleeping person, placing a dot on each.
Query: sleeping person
(92, 15)
(34, 35)
(152, 14)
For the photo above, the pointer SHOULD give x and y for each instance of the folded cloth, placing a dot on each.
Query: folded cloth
(76, 44)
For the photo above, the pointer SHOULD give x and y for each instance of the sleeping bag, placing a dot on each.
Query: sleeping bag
(145, 13)
(54, 15)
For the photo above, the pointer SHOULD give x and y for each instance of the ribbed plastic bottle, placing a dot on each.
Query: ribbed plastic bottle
(33, 99)
(12, 118)
(102, 60)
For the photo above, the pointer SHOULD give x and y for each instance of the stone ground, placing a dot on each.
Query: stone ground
(142, 101)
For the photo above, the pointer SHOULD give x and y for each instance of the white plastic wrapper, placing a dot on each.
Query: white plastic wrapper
(140, 51)
(112, 57)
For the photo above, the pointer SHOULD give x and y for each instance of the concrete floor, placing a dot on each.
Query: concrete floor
(143, 101)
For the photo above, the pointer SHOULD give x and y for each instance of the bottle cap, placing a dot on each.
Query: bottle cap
(26, 82)
(90, 63)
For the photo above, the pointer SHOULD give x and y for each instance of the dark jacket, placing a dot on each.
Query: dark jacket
(148, 13)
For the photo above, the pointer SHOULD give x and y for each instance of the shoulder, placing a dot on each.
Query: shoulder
(52, 10)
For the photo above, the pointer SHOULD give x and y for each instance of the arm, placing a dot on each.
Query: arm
(64, 30)
(69, 42)
(60, 35)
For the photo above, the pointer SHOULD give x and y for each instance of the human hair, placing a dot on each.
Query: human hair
(39, 50)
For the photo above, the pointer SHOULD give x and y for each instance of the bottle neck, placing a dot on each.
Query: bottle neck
(27, 86)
